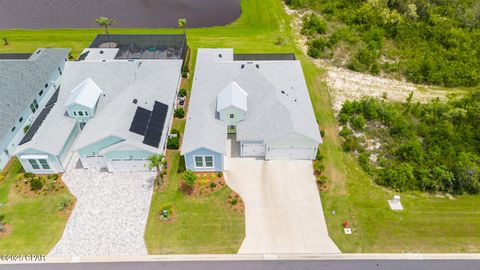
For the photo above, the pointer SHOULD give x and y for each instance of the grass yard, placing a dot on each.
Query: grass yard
(203, 224)
(36, 222)
(428, 224)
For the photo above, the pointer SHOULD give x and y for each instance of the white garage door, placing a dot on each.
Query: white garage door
(94, 162)
(128, 165)
(290, 153)
(253, 150)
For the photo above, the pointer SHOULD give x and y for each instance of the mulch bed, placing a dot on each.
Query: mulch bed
(22, 186)
(208, 183)
(7, 232)
(239, 206)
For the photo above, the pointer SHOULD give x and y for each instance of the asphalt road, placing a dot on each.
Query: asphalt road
(262, 265)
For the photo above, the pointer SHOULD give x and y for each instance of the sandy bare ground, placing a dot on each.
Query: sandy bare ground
(345, 84)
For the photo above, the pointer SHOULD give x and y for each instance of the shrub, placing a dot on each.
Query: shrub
(176, 132)
(28, 175)
(179, 113)
(322, 180)
(213, 185)
(312, 25)
(318, 167)
(54, 177)
(358, 122)
(343, 118)
(173, 143)
(2, 227)
(220, 174)
(64, 203)
(181, 164)
(184, 74)
(345, 132)
(26, 128)
(2, 218)
(319, 156)
(190, 178)
(36, 184)
(182, 92)
(234, 201)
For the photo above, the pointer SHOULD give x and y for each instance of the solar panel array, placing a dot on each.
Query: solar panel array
(40, 118)
(150, 124)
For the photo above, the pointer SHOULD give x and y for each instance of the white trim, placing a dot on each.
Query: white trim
(33, 157)
(204, 162)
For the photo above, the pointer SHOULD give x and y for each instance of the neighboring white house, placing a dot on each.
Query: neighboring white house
(264, 104)
(27, 84)
(115, 114)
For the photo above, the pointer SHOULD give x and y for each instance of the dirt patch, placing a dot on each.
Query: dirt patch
(7, 232)
(235, 202)
(345, 84)
(208, 183)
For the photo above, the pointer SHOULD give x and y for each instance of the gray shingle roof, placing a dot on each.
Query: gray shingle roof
(278, 101)
(21, 81)
(121, 82)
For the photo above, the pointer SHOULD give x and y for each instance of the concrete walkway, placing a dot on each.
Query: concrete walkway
(110, 215)
(283, 210)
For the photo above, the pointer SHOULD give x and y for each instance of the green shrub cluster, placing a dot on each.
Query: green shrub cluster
(428, 147)
(432, 42)
(179, 113)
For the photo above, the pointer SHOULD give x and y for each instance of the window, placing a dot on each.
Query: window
(20, 120)
(60, 71)
(86, 113)
(198, 162)
(44, 164)
(232, 116)
(13, 129)
(34, 164)
(74, 113)
(80, 113)
(209, 161)
(204, 161)
(34, 106)
(46, 85)
(40, 93)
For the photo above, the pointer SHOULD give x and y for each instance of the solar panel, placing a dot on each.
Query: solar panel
(154, 131)
(36, 125)
(140, 121)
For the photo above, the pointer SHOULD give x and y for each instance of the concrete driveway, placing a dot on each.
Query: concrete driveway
(283, 210)
(110, 215)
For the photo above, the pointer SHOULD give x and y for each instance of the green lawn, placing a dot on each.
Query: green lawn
(427, 225)
(203, 225)
(36, 223)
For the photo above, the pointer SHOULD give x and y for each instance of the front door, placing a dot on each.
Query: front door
(231, 129)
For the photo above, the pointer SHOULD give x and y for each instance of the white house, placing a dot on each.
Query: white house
(27, 84)
(263, 104)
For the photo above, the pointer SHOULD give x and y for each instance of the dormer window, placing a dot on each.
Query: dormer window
(232, 116)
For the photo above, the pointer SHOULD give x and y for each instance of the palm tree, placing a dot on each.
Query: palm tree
(182, 23)
(105, 22)
(155, 161)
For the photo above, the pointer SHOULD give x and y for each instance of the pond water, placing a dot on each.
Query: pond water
(39, 14)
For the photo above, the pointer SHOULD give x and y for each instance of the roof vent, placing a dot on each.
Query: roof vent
(283, 92)
(101, 52)
(243, 66)
(220, 55)
(257, 66)
(135, 101)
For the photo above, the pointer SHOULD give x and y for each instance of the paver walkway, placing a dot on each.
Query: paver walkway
(110, 215)
(283, 211)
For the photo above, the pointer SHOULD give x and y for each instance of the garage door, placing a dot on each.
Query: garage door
(290, 153)
(94, 162)
(128, 165)
(253, 150)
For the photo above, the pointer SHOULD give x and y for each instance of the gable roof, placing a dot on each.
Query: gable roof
(232, 95)
(279, 104)
(86, 94)
(22, 79)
